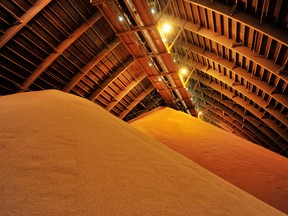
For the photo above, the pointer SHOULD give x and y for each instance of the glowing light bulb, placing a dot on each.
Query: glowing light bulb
(153, 11)
(183, 71)
(166, 28)
(199, 114)
(120, 18)
(159, 79)
(150, 64)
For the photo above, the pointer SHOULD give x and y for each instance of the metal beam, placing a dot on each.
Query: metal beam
(110, 79)
(122, 94)
(91, 64)
(25, 18)
(60, 49)
(136, 101)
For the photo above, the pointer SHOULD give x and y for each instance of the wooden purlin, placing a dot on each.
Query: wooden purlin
(273, 126)
(92, 64)
(239, 116)
(60, 49)
(235, 121)
(148, 19)
(240, 88)
(130, 43)
(111, 78)
(128, 88)
(136, 101)
(242, 18)
(24, 19)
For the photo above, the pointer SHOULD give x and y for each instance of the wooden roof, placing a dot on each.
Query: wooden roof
(115, 54)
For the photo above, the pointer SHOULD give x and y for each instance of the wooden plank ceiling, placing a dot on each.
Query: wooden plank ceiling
(116, 54)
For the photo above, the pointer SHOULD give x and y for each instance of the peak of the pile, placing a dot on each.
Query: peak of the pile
(251, 167)
(64, 155)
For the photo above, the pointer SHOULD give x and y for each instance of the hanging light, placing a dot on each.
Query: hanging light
(166, 27)
(120, 18)
(183, 71)
(199, 114)
(153, 11)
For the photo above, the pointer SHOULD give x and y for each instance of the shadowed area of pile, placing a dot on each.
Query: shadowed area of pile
(252, 168)
(63, 155)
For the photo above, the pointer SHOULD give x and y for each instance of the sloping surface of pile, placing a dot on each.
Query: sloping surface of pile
(63, 155)
(252, 168)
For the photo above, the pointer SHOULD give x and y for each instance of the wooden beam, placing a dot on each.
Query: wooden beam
(227, 43)
(230, 66)
(91, 64)
(241, 89)
(126, 91)
(25, 18)
(110, 79)
(150, 105)
(61, 48)
(136, 101)
(250, 123)
(273, 32)
(256, 112)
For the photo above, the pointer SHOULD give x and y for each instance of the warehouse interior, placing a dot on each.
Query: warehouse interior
(222, 61)
(132, 107)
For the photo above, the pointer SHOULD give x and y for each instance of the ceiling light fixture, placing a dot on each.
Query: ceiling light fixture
(166, 28)
(153, 11)
(199, 114)
(183, 71)
(120, 18)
